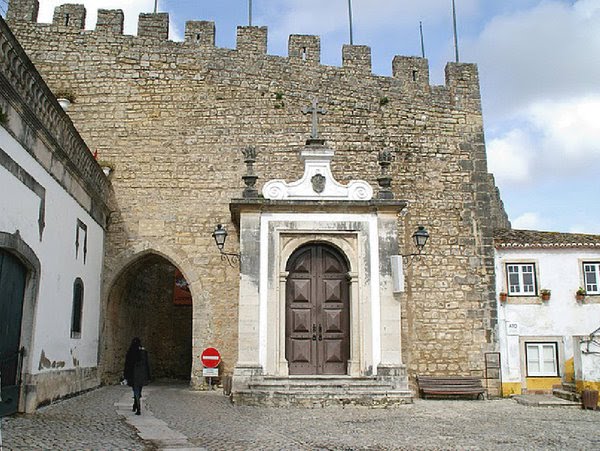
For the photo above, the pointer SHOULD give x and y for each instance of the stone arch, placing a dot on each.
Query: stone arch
(138, 300)
(14, 244)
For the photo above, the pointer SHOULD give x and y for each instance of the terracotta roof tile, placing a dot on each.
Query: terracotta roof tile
(506, 238)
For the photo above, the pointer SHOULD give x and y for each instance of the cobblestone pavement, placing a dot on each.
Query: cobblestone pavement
(209, 421)
(88, 421)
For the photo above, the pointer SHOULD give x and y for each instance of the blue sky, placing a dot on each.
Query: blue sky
(539, 63)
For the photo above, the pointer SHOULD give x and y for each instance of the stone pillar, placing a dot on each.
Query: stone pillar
(23, 10)
(252, 40)
(411, 69)
(154, 26)
(200, 32)
(110, 21)
(357, 58)
(72, 16)
(304, 48)
(248, 363)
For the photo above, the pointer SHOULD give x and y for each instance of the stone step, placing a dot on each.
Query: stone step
(320, 399)
(569, 386)
(321, 385)
(566, 394)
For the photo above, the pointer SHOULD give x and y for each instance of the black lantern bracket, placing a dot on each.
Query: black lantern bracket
(420, 238)
(220, 236)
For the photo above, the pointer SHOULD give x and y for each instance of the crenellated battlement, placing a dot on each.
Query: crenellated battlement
(413, 72)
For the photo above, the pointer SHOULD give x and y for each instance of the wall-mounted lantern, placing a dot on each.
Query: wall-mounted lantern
(220, 236)
(420, 238)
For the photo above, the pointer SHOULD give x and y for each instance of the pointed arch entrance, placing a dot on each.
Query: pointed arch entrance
(317, 311)
(145, 301)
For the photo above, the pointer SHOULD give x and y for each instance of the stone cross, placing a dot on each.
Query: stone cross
(314, 110)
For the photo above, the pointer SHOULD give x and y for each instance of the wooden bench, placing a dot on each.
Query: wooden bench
(450, 386)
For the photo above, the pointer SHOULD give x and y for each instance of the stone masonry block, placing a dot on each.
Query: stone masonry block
(23, 10)
(110, 21)
(252, 39)
(154, 26)
(411, 69)
(357, 57)
(72, 16)
(305, 48)
(200, 32)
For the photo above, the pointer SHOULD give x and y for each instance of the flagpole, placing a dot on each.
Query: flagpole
(455, 32)
(350, 18)
(155, 6)
(250, 12)
(422, 41)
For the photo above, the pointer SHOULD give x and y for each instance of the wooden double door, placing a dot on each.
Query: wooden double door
(12, 288)
(317, 311)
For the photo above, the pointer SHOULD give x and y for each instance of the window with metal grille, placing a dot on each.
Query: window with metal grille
(541, 359)
(591, 277)
(521, 279)
(77, 313)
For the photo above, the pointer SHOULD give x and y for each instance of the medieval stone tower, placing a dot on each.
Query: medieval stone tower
(171, 119)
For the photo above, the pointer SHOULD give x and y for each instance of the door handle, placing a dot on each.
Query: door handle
(320, 333)
(314, 330)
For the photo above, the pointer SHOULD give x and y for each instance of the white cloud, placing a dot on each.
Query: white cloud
(131, 10)
(528, 221)
(548, 51)
(509, 157)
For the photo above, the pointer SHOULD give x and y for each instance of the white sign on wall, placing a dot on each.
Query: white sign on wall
(512, 328)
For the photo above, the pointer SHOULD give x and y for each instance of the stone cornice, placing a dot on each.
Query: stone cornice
(43, 118)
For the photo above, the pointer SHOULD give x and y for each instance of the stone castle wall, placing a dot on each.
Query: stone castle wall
(172, 118)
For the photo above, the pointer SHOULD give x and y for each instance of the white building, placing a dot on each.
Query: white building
(53, 210)
(548, 342)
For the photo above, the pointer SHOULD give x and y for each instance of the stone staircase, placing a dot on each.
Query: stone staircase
(319, 391)
(567, 391)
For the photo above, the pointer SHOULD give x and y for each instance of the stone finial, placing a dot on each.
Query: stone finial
(250, 178)
(314, 110)
(384, 159)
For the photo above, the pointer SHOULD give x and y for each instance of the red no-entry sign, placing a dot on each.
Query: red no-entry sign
(210, 358)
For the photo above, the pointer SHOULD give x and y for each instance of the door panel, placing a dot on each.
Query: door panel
(12, 289)
(318, 317)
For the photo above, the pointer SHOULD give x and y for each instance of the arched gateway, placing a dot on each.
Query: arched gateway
(317, 311)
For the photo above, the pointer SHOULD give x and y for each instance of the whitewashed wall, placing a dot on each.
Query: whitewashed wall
(559, 270)
(19, 208)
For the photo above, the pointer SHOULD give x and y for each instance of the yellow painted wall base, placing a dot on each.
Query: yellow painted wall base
(511, 388)
(587, 385)
(542, 383)
(569, 370)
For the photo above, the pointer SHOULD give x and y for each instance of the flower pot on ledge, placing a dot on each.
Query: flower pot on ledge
(580, 297)
(503, 297)
(545, 295)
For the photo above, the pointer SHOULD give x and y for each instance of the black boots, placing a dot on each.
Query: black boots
(137, 405)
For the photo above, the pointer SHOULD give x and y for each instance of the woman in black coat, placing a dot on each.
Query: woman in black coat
(137, 371)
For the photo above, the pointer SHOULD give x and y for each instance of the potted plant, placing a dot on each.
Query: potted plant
(503, 295)
(545, 294)
(65, 99)
(580, 294)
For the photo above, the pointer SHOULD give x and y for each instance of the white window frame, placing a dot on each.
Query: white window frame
(540, 347)
(591, 267)
(520, 275)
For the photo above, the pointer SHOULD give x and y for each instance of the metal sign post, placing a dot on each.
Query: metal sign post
(210, 359)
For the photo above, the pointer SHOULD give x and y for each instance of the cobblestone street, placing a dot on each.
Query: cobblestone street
(176, 418)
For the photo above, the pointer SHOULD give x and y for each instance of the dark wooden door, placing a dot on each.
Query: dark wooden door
(317, 311)
(12, 289)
